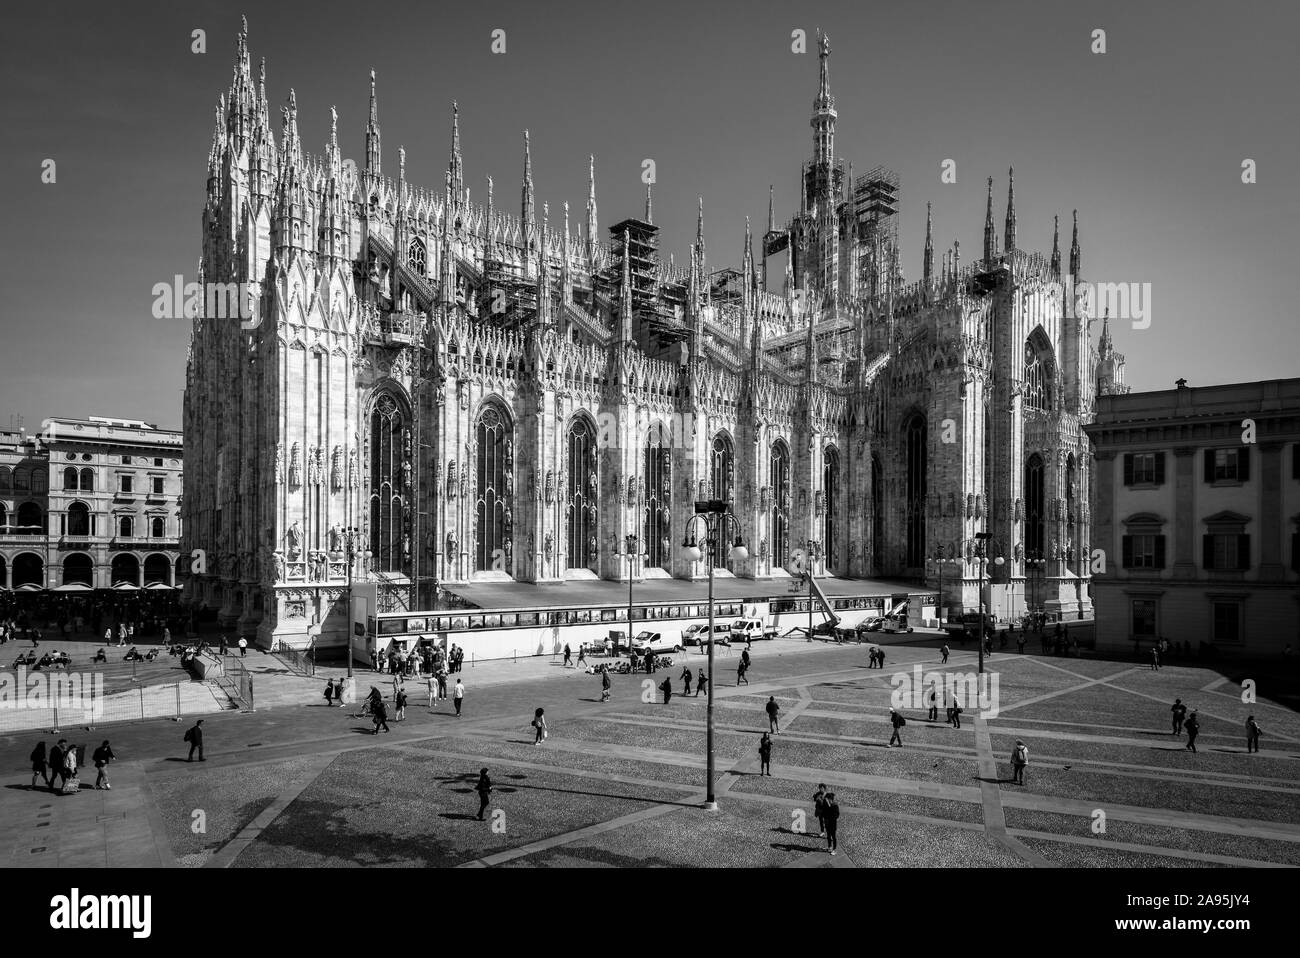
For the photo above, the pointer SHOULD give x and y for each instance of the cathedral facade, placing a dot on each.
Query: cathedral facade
(435, 391)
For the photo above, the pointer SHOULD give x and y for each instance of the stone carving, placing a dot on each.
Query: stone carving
(819, 505)
(353, 478)
(550, 487)
(591, 484)
(451, 547)
(548, 546)
(406, 546)
(294, 538)
(277, 564)
(464, 482)
(295, 610)
(451, 478)
(592, 549)
(336, 469)
(762, 545)
(279, 462)
(508, 547)
(295, 466)
(406, 473)
(336, 539)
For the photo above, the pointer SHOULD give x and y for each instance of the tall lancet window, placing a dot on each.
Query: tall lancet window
(779, 522)
(657, 493)
(914, 435)
(877, 516)
(1038, 385)
(830, 503)
(493, 549)
(415, 258)
(1035, 527)
(722, 474)
(386, 489)
(582, 493)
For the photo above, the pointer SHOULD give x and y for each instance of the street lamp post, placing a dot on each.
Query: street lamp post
(983, 540)
(716, 516)
(350, 535)
(629, 543)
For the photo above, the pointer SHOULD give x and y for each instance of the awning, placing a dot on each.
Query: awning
(73, 587)
(126, 587)
(29, 587)
(161, 585)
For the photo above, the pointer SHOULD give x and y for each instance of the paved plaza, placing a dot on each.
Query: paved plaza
(621, 783)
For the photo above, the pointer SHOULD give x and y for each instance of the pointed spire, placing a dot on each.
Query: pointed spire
(699, 231)
(823, 119)
(1105, 347)
(625, 293)
(528, 216)
(1009, 240)
(292, 145)
(372, 132)
(771, 217)
(1056, 245)
(988, 228)
(1074, 250)
(454, 164)
(927, 259)
(649, 206)
(591, 206)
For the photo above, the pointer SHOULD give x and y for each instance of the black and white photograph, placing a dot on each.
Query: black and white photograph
(714, 435)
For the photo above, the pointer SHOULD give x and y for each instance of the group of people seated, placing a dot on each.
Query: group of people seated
(51, 659)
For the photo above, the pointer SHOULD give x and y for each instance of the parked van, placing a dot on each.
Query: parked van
(698, 634)
(655, 642)
(747, 630)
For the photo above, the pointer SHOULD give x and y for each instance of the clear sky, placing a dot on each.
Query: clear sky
(1146, 141)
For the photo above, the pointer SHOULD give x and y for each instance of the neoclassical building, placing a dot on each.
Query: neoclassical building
(487, 392)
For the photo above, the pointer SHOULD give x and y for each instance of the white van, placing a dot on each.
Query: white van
(747, 630)
(698, 634)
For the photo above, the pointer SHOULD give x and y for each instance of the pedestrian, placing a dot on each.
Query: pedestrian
(108, 636)
(1179, 711)
(582, 654)
(880, 658)
(38, 760)
(701, 684)
(195, 738)
(1253, 732)
(224, 647)
(605, 684)
(568, 656)
(70, 781)
(898, 722)
(374, 660)
(400, 701)
(442, 681)
(458, 696)
(773, 712)
(831, 816)
(379, 715)
(433, 691)
(1155, 658)
(650, 665)
(819, 809)
(1019, 759)
(944, 652)
(934, 703)
(956, 712)
(55, 759)
(744, 657)
(243, 647)
(329, 693)
(740, 673)
(667, 689)
(167, 636)
(539, 723)
(101, 757)
(765, 755)
(484, 789)
(1020, 643)
(687, 678)
(1193, 726)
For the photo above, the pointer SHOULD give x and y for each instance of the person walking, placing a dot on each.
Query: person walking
(433, 691)
(667, 689)
(744, 657)
(400, 701)
(1253, 732)
(108, 636)
(39, 761)
(934, 703)
(1179, 711)
(101, 757)
(1155, 658)
(56, 764)
(831, 816)
(379, 715)
(819, 809)
(568, 657)
(880, 658)
(442, 681)
(701, 684)
(484, 789)
(1193, 726)
(773, 714)
(539, 723)
(195, 737)
(224, 648)
(243, 647)
(329, 693)
(956, 712)
(1019, 759)
(944, 652)
(605, 684)
(765, 755)
(458, 696)
(686, 678)
(898, 722)
(70, 781)
(740, 673)
(582, 654)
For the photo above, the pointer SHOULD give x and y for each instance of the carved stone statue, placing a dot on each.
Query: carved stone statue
(295, 466)
(277, 564)
(451, 479)
(451, 547)
(548, 546)
(406, 545)
(591, 484)
(550, 487)
(762, 548)
(336, 539)
(818, 503)
(353, 475)
(508, 521)
(294, 538)
(279, 462)
(406, 473)
(593, 548)
(336, 469)
(508, 547)
(406, 442)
